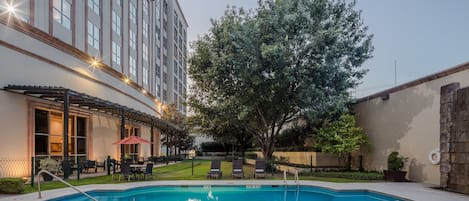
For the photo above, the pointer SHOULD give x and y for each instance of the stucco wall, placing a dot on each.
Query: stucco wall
(408, 122)
(105, 131)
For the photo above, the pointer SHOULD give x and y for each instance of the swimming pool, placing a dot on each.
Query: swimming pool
(232, 193)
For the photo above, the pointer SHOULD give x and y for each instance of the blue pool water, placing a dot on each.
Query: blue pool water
(231, 193)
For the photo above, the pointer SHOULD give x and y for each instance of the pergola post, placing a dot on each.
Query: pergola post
(66, 107)
(122, 134)
(152, 139)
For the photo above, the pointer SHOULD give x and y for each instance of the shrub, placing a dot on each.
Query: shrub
(50, 165)
(11, 185)
(396, 162)
(349, 175)
(231, 158)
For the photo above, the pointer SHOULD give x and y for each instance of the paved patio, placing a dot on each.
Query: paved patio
(411, 191)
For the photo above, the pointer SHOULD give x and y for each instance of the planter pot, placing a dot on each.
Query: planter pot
(395, 175)
(47, 177)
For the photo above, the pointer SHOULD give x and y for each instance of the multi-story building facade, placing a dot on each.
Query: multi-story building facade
(101, 69)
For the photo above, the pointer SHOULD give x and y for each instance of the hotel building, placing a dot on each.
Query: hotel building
(100, 70)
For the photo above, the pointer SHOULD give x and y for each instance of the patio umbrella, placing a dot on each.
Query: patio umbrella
(132, 140)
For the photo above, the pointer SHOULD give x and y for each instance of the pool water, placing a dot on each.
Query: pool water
(231, 193)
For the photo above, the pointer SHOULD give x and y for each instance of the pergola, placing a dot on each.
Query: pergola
(70, 97)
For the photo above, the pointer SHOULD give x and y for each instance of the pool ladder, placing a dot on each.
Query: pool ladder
(61, 180)
(297, 180)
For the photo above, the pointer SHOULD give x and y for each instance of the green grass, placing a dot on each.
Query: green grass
(183, 171)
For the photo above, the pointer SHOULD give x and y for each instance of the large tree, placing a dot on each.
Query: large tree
(285, 60)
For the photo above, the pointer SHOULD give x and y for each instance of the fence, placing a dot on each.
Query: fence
(14, 167)
(315, 159)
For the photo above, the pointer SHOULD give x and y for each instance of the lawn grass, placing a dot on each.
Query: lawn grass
(182, 171)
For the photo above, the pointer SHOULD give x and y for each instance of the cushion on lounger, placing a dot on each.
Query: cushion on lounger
(215, 170)
(237, 170)
(259, 170)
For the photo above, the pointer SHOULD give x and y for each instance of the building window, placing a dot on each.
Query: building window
(94, 5)
(118, 2)
(175, 79)
(48, 135)
(132, 13)
(145, 29)
(132, 150)
(145, 52)
(116, 23)
(165, 60)
(165, 77)
(165, 95)
(180, 73)
(158, 91)
(132, 39)
(116, 53)
(175, 67)
(62, 12)
(145, 7)
(165, 42)
(158, 71)
(180, 87)
(175, 99)
(145, 75)
(133, 68)
(93, 35)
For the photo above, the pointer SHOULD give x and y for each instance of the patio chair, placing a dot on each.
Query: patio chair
(260, 169)
(148, 170)
(215, 170)
(238, 169)
(125, 171)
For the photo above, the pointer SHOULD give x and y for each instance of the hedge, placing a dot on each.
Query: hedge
(348, 175)
(11, 185)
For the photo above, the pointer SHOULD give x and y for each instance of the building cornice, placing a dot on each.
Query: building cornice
(444, 73)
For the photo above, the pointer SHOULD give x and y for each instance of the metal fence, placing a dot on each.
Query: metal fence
(14, 167)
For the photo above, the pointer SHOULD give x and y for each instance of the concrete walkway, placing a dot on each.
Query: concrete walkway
(410, 191)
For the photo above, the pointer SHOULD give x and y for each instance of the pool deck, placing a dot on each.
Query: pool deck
(410, 191)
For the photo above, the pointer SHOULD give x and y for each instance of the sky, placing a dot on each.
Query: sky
(419, 37)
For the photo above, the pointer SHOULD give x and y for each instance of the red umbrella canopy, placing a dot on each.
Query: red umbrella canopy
(132, 140)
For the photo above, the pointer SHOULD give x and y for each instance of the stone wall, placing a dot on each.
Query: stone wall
(454, 138)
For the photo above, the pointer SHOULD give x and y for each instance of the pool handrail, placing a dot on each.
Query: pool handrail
(61, 180)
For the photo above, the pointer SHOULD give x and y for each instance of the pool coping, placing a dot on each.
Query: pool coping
(406, 191)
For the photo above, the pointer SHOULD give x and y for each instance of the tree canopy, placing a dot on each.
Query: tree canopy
(285, 60)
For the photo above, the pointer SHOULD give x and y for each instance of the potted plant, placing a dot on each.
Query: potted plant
(50, 165)
(395, 165)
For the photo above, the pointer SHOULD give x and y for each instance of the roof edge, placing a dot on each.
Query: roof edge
(431, 77)
(182, 13)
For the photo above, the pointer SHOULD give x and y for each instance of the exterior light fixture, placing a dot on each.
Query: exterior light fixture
(11, 9)
(144, 92)
(126, 80)
(94, 62)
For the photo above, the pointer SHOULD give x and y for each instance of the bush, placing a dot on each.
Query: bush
(348, 175)
(50, 165)
(396, 162)
(11, 185)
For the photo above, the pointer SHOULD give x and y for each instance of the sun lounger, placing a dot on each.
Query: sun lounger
(238, 169)
(260, 169)
(215, 170)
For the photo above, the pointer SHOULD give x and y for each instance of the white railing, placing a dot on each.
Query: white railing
(61, 180)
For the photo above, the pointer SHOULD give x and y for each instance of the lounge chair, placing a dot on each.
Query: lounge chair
(260, 169)
(238, 169)
(215, 171)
